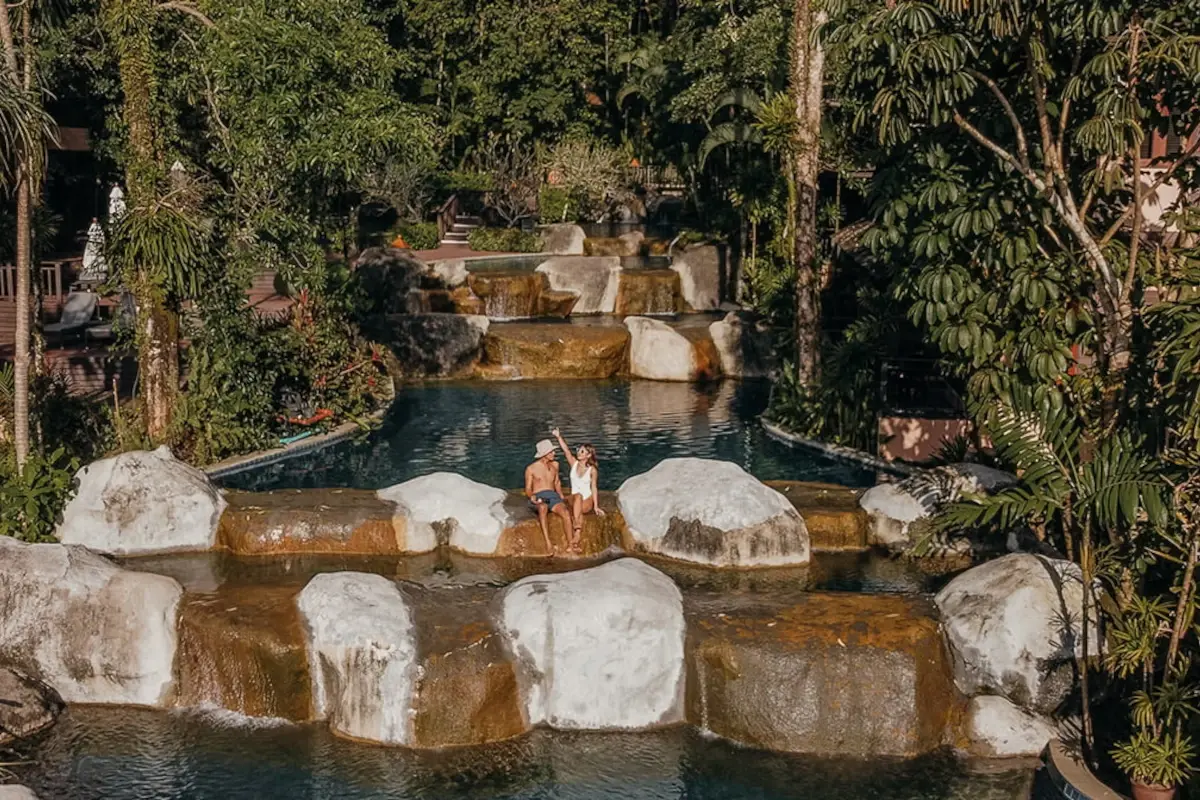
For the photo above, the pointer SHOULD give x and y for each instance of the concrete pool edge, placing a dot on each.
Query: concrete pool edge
(841, 452)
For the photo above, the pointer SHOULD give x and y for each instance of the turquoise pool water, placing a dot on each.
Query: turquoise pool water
(124, 754)
(487, 431)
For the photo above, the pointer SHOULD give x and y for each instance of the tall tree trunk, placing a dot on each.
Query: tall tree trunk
(807, 70)
(24, 257)
(158, 342)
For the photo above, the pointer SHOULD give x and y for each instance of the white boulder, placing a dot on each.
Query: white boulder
(892, 508)
(144, 501)
(450, 271)
(743, 347)
(699, 268)
(595, 279)
(565, 239)
(599, 648)
(14, 792)
(469, 515)
(95, 632)
(659, 352)
(712, 512)
(362, 655)
(1014, 625)
(998, 729)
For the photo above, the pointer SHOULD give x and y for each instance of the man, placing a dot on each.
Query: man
(544, 490)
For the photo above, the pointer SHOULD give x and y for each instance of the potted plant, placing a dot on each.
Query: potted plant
(1149, 645)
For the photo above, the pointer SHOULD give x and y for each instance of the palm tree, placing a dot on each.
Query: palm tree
(807, 70)
(24, 130)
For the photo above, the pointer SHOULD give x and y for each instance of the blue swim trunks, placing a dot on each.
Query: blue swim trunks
(548, 496)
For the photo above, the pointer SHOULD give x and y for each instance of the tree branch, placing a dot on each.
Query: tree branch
(186, 8)
(1159, 181)
(1022, 147)
(1003, 154)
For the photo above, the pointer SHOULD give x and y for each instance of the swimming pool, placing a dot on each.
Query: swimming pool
(127, 754)
(487, 431)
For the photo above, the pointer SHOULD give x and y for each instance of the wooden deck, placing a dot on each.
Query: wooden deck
(94, 369)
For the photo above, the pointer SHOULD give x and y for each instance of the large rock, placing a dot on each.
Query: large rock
(595, 279)
(431, 344)
(144, 501)
(822, 673)
(1014, 625)
(659, 352)
(532, 350)
(13, 792)
(76, 621)
(998, 729)
(600, 648)
(893, 508)
(627, 244)
(27, 706)
(701, 270)
(447, 507)
(362, 655)
(711, 512)
(743, 346)
(565, 239)
(450, 272)
(350, 521)
(384, 280)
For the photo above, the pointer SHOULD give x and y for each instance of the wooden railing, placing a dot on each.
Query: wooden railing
(55, 277)
(446, 216)
(655, 177)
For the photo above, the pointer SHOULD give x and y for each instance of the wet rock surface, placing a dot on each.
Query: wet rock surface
(95, 632)
(531, 350)
(599, 648)
(27, 706)
(711, 512)
(831, 514)
(848, 674)
(314, 521)
(142, 501)
(467, 692)
(384, 279)
(648, 291)
(241, 648)
(523, 536)
(508, 295)
(1014, 625)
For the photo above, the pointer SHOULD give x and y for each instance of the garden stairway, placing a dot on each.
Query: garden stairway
(460, 231)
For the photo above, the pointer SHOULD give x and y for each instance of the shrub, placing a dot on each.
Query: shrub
(31, 503)
(509, 240)
(554, 204)
(417, 235)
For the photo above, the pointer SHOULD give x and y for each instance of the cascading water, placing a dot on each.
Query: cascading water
(648, 292)
(508, 295)
(242, 649)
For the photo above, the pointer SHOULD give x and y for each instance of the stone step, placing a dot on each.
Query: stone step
(468, 219)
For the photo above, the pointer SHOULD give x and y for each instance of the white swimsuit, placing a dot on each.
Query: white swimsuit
(581, 484)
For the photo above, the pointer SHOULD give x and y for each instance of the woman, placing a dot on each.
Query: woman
(584, 478)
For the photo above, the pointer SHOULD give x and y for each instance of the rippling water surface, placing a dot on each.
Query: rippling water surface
(487, 431)
(122, 754)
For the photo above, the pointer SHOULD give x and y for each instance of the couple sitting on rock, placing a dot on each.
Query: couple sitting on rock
(544, 489)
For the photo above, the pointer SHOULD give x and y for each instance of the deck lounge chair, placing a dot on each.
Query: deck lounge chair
(77, 313)
(122, 320)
